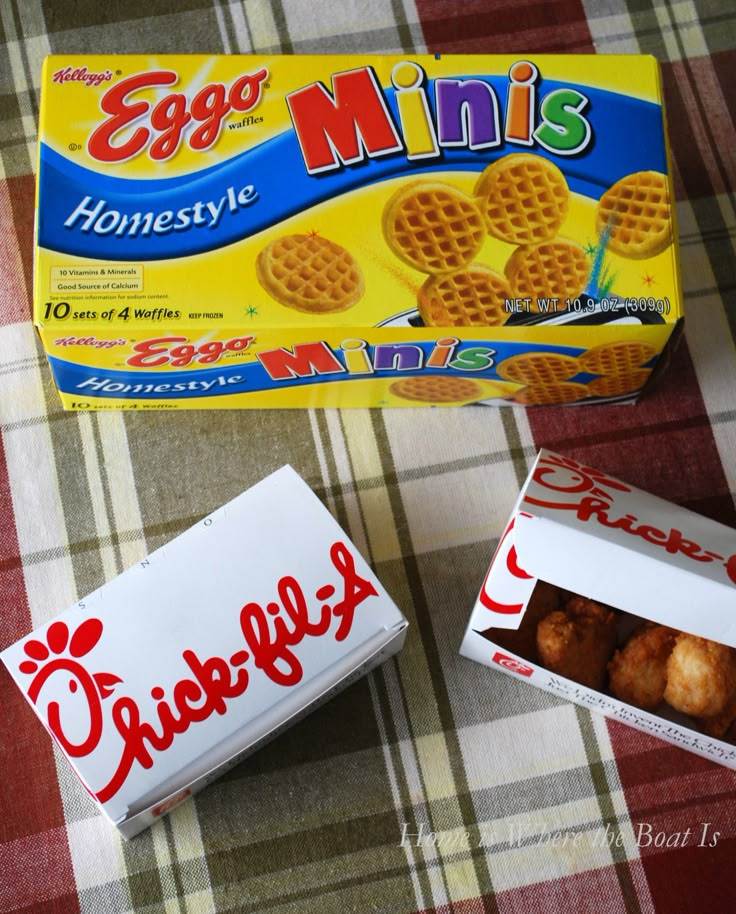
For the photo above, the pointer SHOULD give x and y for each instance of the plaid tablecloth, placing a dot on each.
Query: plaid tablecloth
(435, 784)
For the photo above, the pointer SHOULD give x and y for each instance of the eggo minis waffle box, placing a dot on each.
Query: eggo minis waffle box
(353, 231)
(170, 674)
(616, 600)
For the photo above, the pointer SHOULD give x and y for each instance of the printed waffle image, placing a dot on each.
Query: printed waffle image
(619, 365)
(550, 269)
(538, 368)
(616, 358)
(615, 385)
(437, 389)
(548, 394)
(635, 212)
(433, 227)
(310, 273)
(524, 198)
(473, 297)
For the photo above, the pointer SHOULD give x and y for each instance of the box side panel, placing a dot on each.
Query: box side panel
(678, 297)
(142, 820)
(173, 366)
(631, 580)
(479, 649)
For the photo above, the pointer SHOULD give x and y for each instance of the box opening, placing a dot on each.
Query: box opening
(679, 677)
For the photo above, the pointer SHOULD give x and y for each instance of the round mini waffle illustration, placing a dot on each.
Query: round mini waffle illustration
(473, 297)
(550, 394)
(635, 212)
(616, 358)
(538, 368)
(310, 273)
(615, 385)
(433, 227)
(437, 389)
(551, 269)
(524, 198)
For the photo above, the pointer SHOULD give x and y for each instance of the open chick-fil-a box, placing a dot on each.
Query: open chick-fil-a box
(617, 600)
(164, 678)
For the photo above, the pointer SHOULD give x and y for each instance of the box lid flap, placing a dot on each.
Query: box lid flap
(592, 534)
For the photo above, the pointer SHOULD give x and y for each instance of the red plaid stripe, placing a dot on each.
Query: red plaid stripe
(36, 869)
(16, 248)
(649, 444)
(34, 855)
(498, 28)
(705, 137)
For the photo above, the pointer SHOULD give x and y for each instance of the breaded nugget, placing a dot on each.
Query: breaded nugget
(638, 672)
(701, 676)
(523, 641)
(578, 642)
(720, 724)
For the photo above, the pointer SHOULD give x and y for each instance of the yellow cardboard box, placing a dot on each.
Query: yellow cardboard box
(353, 231)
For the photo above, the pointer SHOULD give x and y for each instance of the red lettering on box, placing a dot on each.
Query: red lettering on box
(270, 634)
(341, 128)
(169, 116)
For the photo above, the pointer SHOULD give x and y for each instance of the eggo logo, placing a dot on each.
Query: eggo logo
(164, 123)
(512, 664)
(178, 352)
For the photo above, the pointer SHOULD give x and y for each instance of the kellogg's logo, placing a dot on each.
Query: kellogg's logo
(81, 75)
(161, 127)
(269, 633)
(592, 495)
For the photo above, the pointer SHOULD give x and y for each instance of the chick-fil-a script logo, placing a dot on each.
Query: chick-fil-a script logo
(511, 587)
(269, 633)
(592, 495)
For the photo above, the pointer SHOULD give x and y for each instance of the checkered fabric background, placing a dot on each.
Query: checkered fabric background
(430, 743)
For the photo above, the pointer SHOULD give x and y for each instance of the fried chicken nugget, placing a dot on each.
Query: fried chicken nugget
(545, 599)
(701, 676)
(578, 642)
(638, 672)
(720, 724)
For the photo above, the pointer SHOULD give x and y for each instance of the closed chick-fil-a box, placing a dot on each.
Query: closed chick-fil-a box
(164, 678)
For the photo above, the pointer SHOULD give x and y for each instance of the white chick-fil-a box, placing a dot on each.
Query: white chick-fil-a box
(589, 534)
(157, 683)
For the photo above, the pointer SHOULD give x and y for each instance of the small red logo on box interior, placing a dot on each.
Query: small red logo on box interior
(512, 664)
(171, 803)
